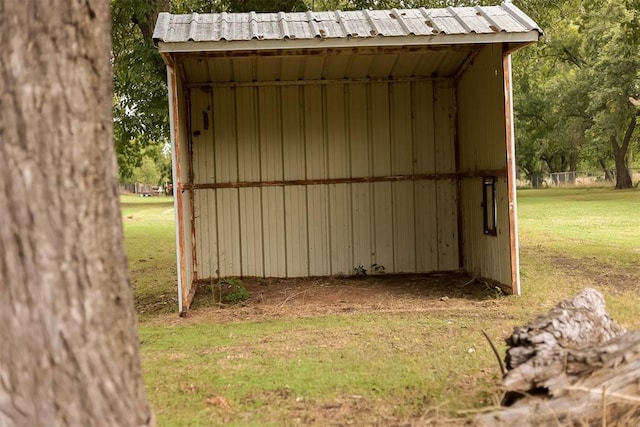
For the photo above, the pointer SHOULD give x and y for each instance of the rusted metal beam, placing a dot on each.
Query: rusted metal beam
(370, 50)
(178, 187)
(168, 59)
(468, 62)
(192, 294)
(352, 180)
(315, 82)
(189, 134)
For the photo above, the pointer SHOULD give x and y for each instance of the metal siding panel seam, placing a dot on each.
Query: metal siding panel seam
(317, 217)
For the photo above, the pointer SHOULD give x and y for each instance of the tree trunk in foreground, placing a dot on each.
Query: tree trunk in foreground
(69, 352)
(572, 366)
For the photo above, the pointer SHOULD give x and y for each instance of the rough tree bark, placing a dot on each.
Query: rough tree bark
(571, 366)
(69, 352)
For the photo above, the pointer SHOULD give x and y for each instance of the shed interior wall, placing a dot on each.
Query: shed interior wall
(482, 147)
(317, 145)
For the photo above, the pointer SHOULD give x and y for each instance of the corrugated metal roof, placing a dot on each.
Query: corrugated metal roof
(364, 24)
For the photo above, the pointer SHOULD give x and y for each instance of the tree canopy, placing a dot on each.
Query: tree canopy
(572, 89)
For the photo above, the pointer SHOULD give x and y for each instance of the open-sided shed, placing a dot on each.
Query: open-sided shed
(315, 143)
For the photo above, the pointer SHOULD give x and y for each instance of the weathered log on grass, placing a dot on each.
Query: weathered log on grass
(574, 365)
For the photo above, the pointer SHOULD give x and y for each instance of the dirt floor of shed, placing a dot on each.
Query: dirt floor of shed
(302, 297)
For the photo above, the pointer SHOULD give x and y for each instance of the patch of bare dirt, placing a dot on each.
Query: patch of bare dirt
(592, 273)
(302, 297)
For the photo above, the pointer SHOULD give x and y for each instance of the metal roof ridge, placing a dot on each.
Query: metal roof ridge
(520, 16)
(429, 21)
(313, 23)
(193, 27)
(340, 17)
(375, 30)
(494, 25)
(224, 26)
(162, 25)
(401, 21)
(459, 20)
(284, 25)
(253, 26)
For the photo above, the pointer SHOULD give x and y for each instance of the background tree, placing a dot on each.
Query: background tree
(69, 352)
(571, 89)
(550, 119)
(155, 167)
(613, 75)
(140, 112)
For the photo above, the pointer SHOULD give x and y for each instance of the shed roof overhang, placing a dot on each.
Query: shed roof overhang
(323, 65)
(400, 31)
(513, 40)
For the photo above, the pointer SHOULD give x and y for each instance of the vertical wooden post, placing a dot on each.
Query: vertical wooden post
(174, 110)
(511, 176)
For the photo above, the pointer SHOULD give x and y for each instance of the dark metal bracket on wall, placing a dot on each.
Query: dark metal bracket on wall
(489, 207)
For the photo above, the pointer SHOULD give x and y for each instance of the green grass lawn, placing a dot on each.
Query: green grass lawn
(372, 368)
(151, 249)
(573, 238)
(597, 222)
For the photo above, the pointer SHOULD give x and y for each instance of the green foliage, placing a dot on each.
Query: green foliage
(154, 167)
(140, 109)
(147, 172)
(265, 5)
(235, 291)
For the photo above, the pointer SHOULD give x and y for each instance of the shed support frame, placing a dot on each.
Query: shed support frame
(182, 131)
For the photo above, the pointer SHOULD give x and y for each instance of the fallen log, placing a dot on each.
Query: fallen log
(574, 365)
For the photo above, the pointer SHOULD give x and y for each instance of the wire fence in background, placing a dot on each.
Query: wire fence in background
(575, 179)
